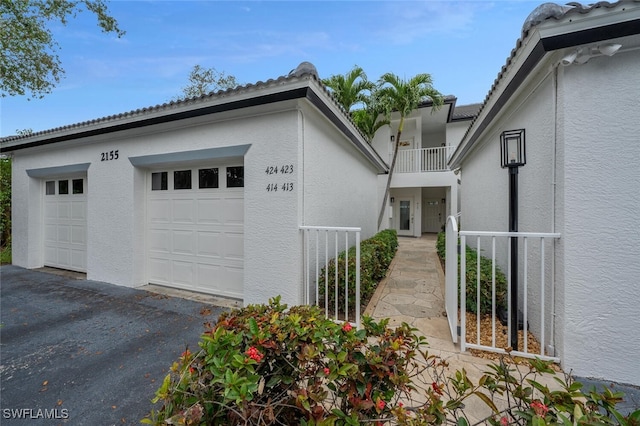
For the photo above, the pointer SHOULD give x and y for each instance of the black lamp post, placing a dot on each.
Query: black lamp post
(512, 156)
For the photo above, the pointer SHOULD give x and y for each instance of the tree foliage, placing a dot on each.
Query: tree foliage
(350, 89)
(29, 64)
(358, 96)
(404, 96)
(205, 80)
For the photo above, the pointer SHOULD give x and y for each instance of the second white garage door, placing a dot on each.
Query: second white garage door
(195, 225)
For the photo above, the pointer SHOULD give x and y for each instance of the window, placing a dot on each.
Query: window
(208, 178)
(77, 186)
(235, 177)
(63, 187)
(182, 179)
(159, 181)
(50, 187)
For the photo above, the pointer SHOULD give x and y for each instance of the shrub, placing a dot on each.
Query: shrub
(5, 202)
(472, 279)
(265, 365)
(376, 254)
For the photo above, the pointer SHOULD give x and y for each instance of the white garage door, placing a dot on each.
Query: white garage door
(65, 223)
(195, 222)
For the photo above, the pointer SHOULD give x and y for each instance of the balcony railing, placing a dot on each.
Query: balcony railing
(423, 160)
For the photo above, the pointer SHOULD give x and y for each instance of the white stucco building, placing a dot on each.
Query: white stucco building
(209, 194)
(573, 84)
(206, 194)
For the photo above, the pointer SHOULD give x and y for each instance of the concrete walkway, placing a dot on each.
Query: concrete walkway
(413, 292)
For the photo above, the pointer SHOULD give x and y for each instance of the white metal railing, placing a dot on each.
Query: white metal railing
(321, 244)
(533, 301)
(423, 160)
(451, 276)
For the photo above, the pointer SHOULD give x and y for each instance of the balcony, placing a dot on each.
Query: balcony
(423, 160)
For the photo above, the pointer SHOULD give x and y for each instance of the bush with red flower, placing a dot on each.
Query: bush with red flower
(269, 364)
(273, 365)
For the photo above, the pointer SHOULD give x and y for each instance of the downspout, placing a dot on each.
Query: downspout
(552, 345)
(305, 288)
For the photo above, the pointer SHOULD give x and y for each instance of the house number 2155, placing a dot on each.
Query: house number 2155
(107, 156)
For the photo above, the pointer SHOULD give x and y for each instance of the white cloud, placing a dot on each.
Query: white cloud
(406, 22)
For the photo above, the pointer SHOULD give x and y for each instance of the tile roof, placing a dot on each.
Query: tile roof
(466, 112)
(304, 70)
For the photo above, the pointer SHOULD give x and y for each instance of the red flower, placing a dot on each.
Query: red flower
(254, 354)
(347, 327)
(380, 404)
(436, 388)
(326, 371)
(504, 421)
(186, 353)
(539, 408)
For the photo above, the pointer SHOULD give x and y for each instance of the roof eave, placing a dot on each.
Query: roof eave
(541, 41)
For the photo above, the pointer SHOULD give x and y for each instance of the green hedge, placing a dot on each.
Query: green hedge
(472, 279)
(376, 254)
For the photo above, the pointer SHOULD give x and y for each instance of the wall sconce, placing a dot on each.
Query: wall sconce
(512, 149)
(393, 138)
(444, 200)
(392, 200)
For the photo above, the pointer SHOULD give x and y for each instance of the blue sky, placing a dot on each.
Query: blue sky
(462, 45)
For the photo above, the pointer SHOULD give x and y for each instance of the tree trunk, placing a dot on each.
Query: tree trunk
(393, 165)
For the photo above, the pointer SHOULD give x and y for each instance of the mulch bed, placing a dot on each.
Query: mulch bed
(501, 338)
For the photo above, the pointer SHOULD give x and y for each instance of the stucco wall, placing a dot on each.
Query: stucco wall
(601, 225)
(455, 132)
(340, 185)
(116, 192)
(485, 194)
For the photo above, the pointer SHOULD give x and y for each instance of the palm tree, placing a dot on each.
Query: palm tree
(404, 96)
(374, 115)
(349, 89)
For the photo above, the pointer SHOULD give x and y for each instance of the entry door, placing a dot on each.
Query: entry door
(405, 216)
(432, 216)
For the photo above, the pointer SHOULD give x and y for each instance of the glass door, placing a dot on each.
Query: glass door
(405, 216)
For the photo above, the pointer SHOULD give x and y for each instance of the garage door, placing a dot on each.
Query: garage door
(65, 223)
(195, 223)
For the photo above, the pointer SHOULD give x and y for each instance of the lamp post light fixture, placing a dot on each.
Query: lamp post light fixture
(513, 156)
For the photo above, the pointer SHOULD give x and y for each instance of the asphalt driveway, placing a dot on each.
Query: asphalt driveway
(81, 352)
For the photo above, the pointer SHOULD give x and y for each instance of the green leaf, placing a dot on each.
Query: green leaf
(564, 420)
(487, 401)
(253, 326)
(537, 421)
(462, 422)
